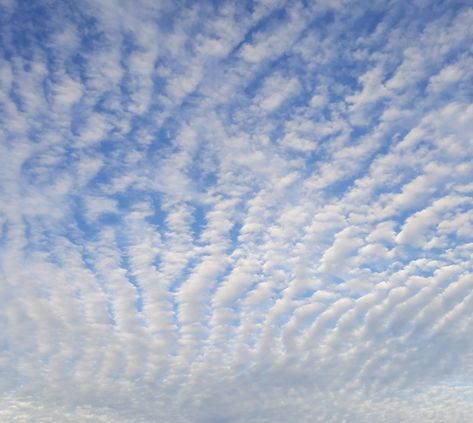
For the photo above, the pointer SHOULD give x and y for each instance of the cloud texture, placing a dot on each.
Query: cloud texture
(236, 211)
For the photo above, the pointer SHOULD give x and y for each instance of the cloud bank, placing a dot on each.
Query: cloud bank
(242, 212)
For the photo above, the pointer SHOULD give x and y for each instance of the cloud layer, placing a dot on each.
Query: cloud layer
(241, 212)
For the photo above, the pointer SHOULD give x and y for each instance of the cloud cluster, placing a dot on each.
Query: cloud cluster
(236, 211)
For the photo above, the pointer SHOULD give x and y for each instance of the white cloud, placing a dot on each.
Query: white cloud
(67, 93)
(232, 212)
(96, 206)
(335, 258)
(276, 89)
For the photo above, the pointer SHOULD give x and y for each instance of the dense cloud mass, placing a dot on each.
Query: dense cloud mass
(236, 211)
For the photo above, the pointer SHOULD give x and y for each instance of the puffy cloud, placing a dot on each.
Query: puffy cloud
(241, 212)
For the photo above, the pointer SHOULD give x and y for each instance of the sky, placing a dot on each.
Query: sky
(236, 211)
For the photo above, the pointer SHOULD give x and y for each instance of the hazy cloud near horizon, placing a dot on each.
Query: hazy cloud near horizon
(236, 211)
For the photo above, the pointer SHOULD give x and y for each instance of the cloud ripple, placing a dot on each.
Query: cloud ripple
(236, 211)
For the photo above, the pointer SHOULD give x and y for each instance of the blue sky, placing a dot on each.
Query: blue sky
(236, 211)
